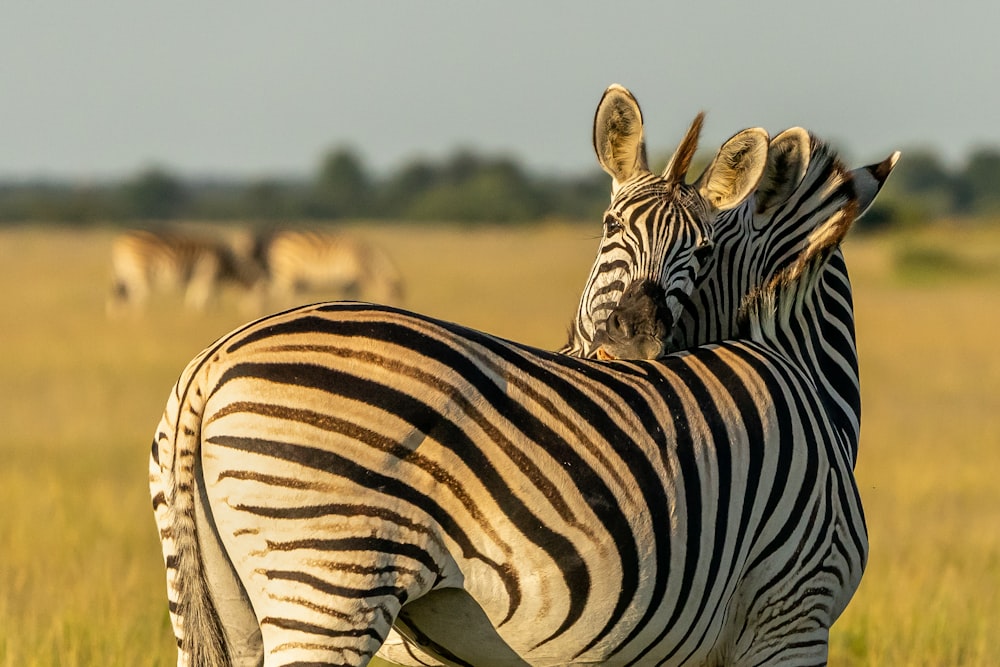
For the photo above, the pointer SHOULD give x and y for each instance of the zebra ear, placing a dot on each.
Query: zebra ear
(680, 161)
(736, 170)
(787, 160)
(618, 137)
(870, 179)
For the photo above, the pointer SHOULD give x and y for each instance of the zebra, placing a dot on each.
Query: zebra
(299, 261)
(770, 228)
(555, 509)
(751, 244)
(143, 262)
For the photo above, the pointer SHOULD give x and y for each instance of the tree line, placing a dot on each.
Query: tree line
(465, 187)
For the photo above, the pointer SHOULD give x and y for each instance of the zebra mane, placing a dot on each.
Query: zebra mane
(676, 170)
(771, 306)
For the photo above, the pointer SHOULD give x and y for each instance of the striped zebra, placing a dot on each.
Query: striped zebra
(299, 262)
(750, 244)
(144, 262)
(697, 508)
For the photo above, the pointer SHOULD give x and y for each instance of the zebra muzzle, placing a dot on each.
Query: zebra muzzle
(638, 327)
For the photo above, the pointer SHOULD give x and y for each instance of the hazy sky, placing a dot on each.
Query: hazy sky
(249, 88)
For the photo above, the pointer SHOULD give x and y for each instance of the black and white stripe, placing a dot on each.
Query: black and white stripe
(325, 473)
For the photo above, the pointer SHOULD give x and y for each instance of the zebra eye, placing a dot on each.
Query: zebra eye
(612, 225)
(703, 252)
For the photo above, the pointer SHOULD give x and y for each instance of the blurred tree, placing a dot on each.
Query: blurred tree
(266, 199)
(343, 187)
(463, 187)
(920, 189)
(978, 183)
(402, 188)
(582, 198)
(153, 194)
(461, 167)
(477, 190)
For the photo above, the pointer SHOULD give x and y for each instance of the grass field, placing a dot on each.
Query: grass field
(81, 578)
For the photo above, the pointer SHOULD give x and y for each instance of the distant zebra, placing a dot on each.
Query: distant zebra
(144, 262)
(328, 263)
(334, 463)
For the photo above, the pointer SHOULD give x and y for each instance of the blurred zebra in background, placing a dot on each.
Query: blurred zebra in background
(147, 262)
(329, 264)
(325, 473)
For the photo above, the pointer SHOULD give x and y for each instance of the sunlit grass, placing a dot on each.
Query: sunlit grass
(81, 577)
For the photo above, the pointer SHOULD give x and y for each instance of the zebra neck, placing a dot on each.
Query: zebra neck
(837, 356)
(809, 318)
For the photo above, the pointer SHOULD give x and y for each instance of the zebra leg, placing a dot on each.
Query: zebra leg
(117, 298)
(162, 515)
(129, 295)
(785, 620)
(327, 595)
(203, 282)
(802, 650)
(349, 632)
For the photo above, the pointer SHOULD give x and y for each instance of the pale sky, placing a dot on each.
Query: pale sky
(250, 88)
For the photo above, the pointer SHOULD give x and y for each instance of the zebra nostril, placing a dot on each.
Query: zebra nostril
(617, 327)
(664, 322)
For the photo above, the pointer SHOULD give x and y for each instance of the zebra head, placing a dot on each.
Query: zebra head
(779, 225)
(658, 231)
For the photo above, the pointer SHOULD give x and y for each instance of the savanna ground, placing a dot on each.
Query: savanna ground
(81, 578)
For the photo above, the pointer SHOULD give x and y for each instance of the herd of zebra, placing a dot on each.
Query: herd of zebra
(272, 268)
(674, 486)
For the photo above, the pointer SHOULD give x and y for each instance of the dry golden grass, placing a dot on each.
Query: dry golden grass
(81, 578)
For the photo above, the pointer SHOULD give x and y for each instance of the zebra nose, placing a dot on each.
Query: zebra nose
(642, 311)
(623, 324)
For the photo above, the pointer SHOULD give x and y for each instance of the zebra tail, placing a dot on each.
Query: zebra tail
(203, 638)
(386, 276)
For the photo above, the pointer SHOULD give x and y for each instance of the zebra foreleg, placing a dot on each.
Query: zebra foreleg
(126, 297)
(203, 283)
